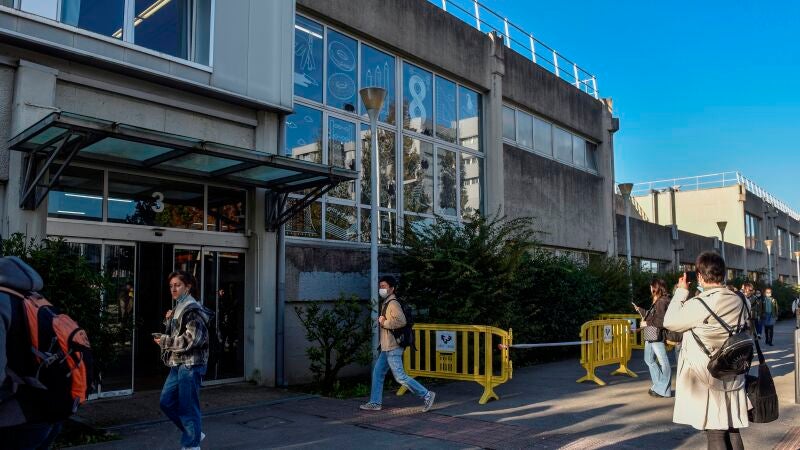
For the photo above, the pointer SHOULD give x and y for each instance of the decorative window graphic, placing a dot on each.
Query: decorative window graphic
(417, 100)
(342, 63)
(308, 47)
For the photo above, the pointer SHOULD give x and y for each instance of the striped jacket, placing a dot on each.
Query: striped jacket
(186, 339)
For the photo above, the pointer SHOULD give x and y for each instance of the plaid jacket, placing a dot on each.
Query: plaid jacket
(186, 341)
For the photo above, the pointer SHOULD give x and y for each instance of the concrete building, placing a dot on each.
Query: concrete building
(694, 206)
(230, 142)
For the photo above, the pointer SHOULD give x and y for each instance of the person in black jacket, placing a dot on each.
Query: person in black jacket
(655, 352)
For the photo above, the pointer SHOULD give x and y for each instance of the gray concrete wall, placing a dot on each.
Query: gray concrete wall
(252, 63)
(536, 89)
(6, 96)
(568, 203)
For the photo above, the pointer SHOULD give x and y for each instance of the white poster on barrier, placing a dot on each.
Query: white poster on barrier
(446, 341)
(633, 324)
(607, 334)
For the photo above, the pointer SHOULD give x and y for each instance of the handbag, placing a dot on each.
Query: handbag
(651, 333)
(761, 392)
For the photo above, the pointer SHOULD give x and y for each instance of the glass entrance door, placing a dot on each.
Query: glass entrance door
(220, 274)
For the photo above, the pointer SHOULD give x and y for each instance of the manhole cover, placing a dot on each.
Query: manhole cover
(263, 423)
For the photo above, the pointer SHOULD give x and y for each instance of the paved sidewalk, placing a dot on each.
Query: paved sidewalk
(542, 407)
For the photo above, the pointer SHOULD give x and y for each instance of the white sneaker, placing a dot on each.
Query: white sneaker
(202, 436)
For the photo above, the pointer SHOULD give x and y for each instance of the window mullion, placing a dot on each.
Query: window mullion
(128, 28)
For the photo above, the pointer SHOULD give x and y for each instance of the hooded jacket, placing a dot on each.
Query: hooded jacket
(186, 339)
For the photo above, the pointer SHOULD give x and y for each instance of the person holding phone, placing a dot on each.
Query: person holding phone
(655, 351)
(185, 351)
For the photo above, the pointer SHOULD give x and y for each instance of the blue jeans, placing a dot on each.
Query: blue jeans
(393, 359)
(655, 355)
(180, 401)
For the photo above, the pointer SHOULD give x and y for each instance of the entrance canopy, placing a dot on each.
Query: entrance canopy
(64, 138)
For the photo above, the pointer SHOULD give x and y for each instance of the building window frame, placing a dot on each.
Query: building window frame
(752, 233)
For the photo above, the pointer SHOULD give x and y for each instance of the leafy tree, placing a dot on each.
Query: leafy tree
(342, 335)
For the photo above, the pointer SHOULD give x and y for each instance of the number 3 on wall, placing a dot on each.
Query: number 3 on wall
(158, 206)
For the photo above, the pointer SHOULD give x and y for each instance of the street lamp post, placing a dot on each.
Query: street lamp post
(768, 243)
(373, 97)
(625, 189)
(722, 224)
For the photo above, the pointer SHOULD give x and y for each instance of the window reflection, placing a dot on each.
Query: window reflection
(308, 48)
(445, 110)
(342, 80)
(43, 8)
(377, 69)
(304, 134)
(226, 210)
(386, 172)
(471, 176)
(469, 113)
(524, 129)
(154, 202)
(306, 223)
(591, 156)
(387, 226)
(446, 179)
(342, 153)
(562, 145)
(417, 100)
(509, 127)
(578, 151)
(340, 223)
(542, 136)
(78, 194)
(163, 26)
(100, 16)
(417, 175)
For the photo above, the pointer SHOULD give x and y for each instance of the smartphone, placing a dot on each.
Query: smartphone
(691, 276)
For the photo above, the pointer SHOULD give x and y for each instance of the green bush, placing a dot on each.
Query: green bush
(74, 287)
(342, 335)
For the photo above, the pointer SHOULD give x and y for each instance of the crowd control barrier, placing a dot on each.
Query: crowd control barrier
(460, 352)
(606, 342)
(637, 341)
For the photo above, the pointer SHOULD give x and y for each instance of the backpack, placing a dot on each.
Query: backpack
(405, 334)
(736, 353)
(55, 376)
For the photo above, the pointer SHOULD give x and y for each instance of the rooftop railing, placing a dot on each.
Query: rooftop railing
(516, 38)
(711, 181)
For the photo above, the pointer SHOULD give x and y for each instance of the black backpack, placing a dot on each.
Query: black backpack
(736, 353)
(405, 334)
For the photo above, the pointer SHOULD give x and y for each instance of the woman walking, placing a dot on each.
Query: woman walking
(655, 351)
(717, 406)
(185, 350)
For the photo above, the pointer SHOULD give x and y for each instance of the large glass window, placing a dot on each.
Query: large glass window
(578, 151)
(342, 153)
(340, 223)
(562, 145)
(417, 176)
(524, 129)
(386, 170)
(471, 176)
(100, 16)
(307, 223)
(226, 210)
(542, 136)
(164, 26)
(155, 202)
(342, 79)
(417, 100)
(44, 8)
(591, 156)
(446, 180)
(782, 242)
(469, 114)
(509, 126)
(445, 110)
(752, 231)
(308, 64)
(78, 195)
(304, 134)
(378, 69)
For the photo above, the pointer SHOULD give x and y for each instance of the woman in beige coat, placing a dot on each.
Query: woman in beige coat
(717, 406)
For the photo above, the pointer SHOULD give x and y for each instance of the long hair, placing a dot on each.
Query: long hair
(187, 279)
(658, 288)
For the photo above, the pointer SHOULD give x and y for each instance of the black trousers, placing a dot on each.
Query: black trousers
(769, 332)
(729, 439)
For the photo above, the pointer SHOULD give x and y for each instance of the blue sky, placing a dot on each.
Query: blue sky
(699, 87)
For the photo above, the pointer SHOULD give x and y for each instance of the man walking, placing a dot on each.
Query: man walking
(757, 313)
(796, 312)
(749, 295)
(391, 354)
(770, 315)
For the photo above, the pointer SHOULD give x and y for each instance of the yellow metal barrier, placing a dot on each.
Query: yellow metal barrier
(637, 341)
(460, 352)
(606, 342)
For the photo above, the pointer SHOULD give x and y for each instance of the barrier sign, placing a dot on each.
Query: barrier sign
(633, 324)
(446, 341)
(608, 336)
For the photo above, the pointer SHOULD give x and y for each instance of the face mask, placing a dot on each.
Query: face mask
(700, 287)
(383, 292)
(182, 297)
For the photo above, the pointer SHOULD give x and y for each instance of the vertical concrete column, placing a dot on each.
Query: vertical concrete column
(605, 166)
(34, 98)
(260, 359)
(493, 127)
